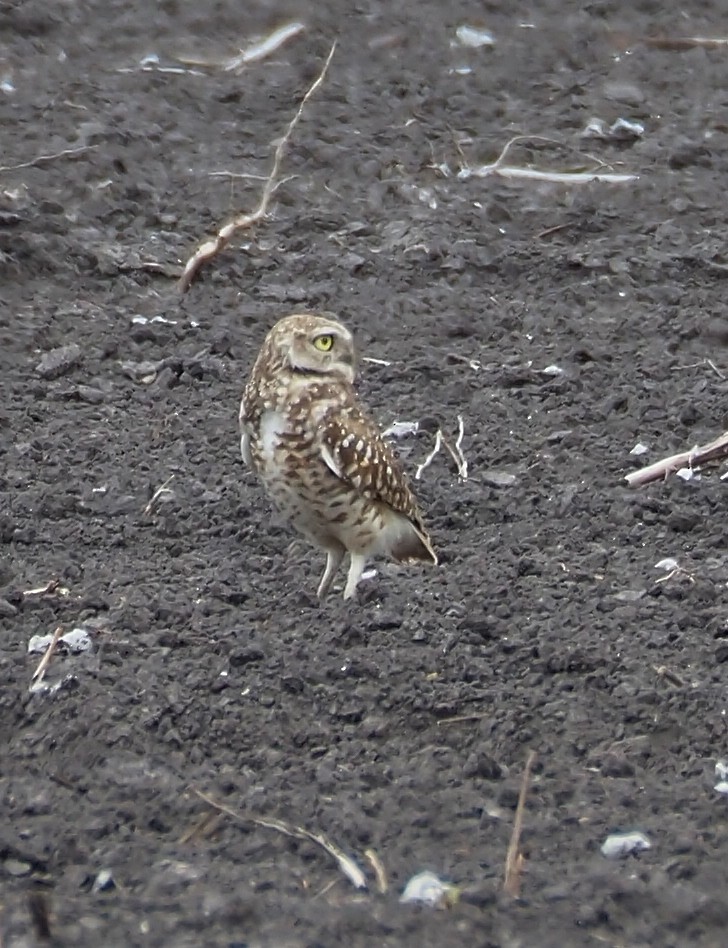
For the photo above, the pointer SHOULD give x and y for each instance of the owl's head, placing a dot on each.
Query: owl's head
(316, 345)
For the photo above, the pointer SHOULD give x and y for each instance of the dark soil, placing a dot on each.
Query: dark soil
(401, 723)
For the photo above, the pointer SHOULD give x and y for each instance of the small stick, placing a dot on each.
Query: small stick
(211, 248)
(157, 494)
(205, 826)
(346, 863)
(47, 656)
(697, 365)
(514, 857)
(713, 451)
(664, 672)
(456, 453)
(66, 153)
(552, 230)
(327, 888)
(715, 368)
(262, 48)
(498, 167)
(379, 870)
(50, 587)
(430, 457)
(458, 719)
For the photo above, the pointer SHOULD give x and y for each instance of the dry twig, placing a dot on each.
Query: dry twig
(499, 167)
(53, 585)
(264, 47)
(47, 656)
(211, 248)
(697, 365)
(662, 671)
(202, 828)
(379, 871)
(41, 159)
(514, 857)
(673, 44)
(455, 451)
(159, 492)
(347, 865)
(700, 454)
(430, 457)
(460, 718)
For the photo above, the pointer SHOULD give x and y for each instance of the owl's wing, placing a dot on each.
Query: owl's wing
(245, 449)
(353, 449)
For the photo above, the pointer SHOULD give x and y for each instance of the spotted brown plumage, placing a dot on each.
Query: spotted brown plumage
(321, 458)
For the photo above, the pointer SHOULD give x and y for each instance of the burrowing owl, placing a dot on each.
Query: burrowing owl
(323, 461)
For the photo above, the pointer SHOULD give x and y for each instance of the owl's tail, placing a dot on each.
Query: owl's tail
(414, 544)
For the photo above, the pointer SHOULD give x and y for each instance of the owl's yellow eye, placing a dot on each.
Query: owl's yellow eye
(324, 343)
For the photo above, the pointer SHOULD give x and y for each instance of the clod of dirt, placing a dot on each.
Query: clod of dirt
(58, 361)
(75, 642)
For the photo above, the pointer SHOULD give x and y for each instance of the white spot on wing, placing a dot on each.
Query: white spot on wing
(330, 461)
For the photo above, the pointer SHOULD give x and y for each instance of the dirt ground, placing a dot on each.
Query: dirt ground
(565, 323)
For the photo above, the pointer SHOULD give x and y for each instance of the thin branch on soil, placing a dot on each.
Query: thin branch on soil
(455, 451)
(672, 44)
(679, 44)
(430, 457)
(47, 656)
(249, 176)
(379, 871)
(677, 571)
(662, 671)
(700, 454)
(514, 857)
(498, 167)
(53, 585)
(347, 865)
(211, 248)
(264, 47)
(322, 892)
(557, 228)
(460, 718)
(708, 362)
(256, 51)
(202, 828)
(41, 159)
(159, 492)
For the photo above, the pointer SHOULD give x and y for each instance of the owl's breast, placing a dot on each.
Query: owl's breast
(282, 455)
(272, 432)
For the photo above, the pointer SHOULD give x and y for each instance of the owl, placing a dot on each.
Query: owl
(320, 457)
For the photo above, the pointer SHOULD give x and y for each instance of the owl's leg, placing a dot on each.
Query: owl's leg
(356, 568)
(333, 562)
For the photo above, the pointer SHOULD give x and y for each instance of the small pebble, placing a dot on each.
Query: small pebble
(17, 867)
(619, 845)
(721, 775)
(104, 881)
(429, 888)
(498, 478)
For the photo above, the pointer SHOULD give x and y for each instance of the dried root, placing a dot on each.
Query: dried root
(211, 248)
